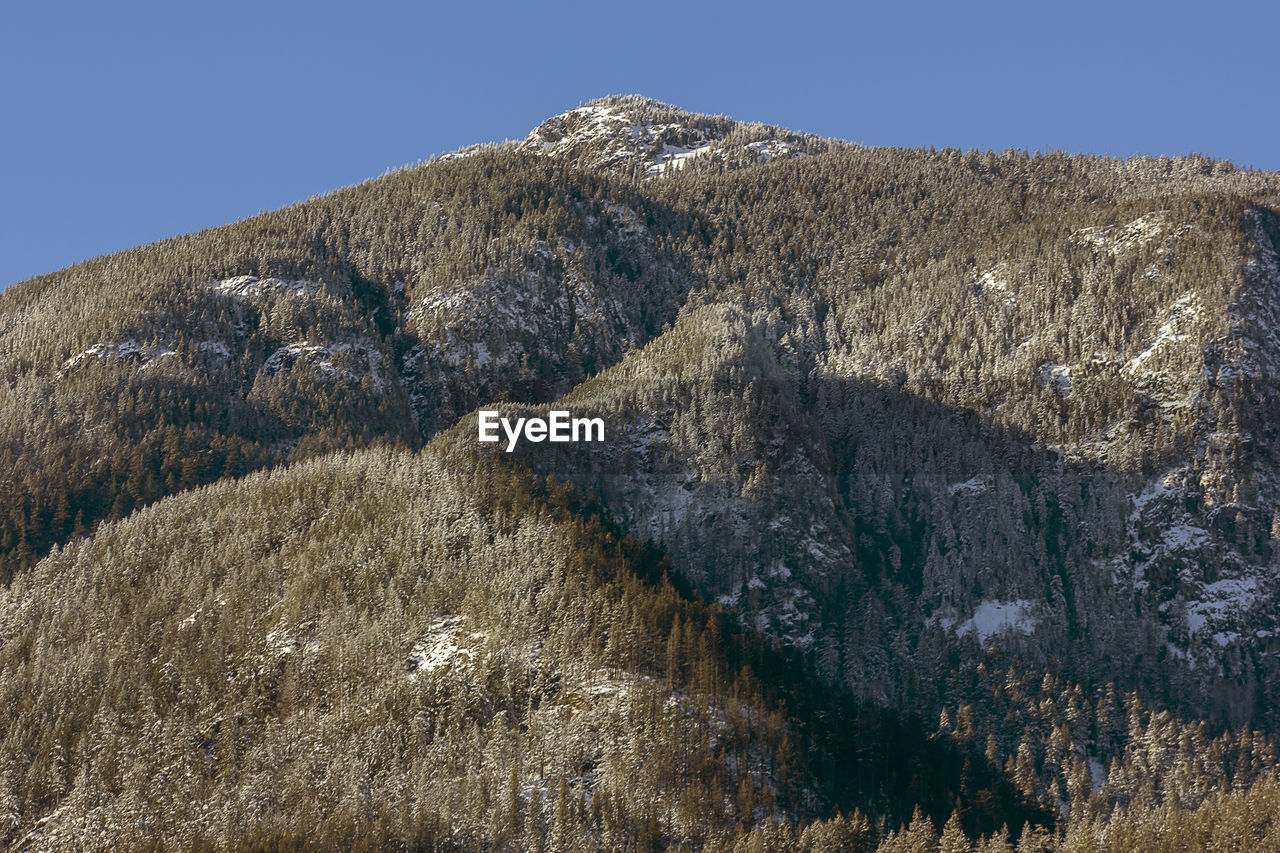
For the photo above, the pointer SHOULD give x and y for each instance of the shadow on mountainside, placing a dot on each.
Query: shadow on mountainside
(941, 513)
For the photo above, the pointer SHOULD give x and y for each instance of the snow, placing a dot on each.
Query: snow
(281, 643)
(604, 686)
(442, 647)
(770, 149)
(250, 287)
(124, 349)
(1058, 376)
(1173, 330)
(485, 318)
(992, 282)
(945, 617)
(465, 297)
(463, 153)
(612, 138)
(1144, 229)
(1097, 774)
(1139, 232)
(610, 133)
(1183, 536)
(998, 617)
(976, 485)
(159, 354)
(191, 618)
(674, 157)
(145, 355)
(331, 360)
(1154, 492)
(1221, 600)
(215, 348)
(989, 279)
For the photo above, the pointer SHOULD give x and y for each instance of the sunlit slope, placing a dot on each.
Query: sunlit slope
(399, 648)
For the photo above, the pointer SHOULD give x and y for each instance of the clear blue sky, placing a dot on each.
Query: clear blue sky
(123, 123)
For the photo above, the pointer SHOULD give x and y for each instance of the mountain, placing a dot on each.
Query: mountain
(980, 439)
(633, 135)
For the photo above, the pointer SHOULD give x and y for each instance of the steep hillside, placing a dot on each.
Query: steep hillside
(379, 313)
(1081, 461)
(415, 651)
(981, 438)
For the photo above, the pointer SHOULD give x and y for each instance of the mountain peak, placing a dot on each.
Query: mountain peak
(632, 133)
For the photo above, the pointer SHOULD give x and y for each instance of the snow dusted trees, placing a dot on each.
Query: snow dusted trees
(858, 396)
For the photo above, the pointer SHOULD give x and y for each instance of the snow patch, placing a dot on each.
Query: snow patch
(344, 361)
(771, 149)
(214, 348)
(1182, 537)
(281, 643)
(442, 646)
(1174, 329)
(252, 287)
(1222, 600)
(674, 157)
(972, 487)
(1153, 492)
(144, 355)
(1139, 232)
(998, 617)
(1057, 376)
(993, 283)
(1097, 774)
(610, 137)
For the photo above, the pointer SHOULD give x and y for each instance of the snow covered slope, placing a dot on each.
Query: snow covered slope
(637, 134)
